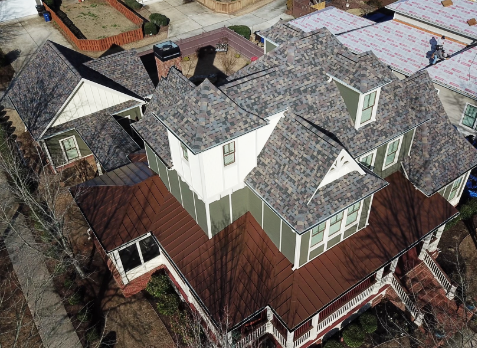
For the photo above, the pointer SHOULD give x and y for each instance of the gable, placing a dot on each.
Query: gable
(87, 99)
(344, 164)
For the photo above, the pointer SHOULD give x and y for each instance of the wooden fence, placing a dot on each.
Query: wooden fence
(105, 43)
(238, 42)
(227, 7)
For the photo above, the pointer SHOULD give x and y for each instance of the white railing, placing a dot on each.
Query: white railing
(251, 337)
(302, 339)
(439, 275)
(279, 337)
(404, 297)
(344, 309)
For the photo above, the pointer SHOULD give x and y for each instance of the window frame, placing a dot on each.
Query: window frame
(228, 153)
(460, 178)
(64, 150)
(398, 152)
(361, 122)
(474, 127)
(374, 153)
(185, 152)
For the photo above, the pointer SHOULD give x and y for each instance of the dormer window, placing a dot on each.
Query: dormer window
(368, 105)
(185, 152)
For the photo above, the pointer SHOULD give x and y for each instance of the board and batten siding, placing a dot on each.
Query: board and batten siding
(87, 99)
(56, 151)
(351, 99)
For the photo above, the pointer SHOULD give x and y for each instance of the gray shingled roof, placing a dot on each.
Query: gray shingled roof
(108, 141)
(126, 69)
(292, 164)
(281, 32)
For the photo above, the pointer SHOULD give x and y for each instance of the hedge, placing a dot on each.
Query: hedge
(353, 336)
(159, 285)
(466, 211)
(150, 28)
(133, 4)
(159, 19)
(368, 322)
(242, 30)
(168, 304)
(333, 344)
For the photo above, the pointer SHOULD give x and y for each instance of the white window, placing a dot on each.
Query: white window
(352, 214)
(454, 189)
(392, 152)
(229, 153)
(137, 258)
(70, 148)
(317, 234)
(368, 106)
(185, 153)
(470, 116)
(335, 223)
(368, 159)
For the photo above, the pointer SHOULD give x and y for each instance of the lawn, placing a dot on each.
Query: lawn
(96, 19)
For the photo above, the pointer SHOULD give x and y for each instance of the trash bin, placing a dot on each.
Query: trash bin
(40, 9)
(47, 16)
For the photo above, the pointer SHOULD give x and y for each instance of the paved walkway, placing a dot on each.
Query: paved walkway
(52, 322)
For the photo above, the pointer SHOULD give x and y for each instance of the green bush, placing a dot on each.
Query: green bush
(242, 30)
(68, 283)
(92, 335)
(83, 315)
(75, 299)
(133, 4)
(150, 29)
(168, 304)
(159, 19)
(353, 336)
(333, 344)
(159, 285)
(466, 211)
(368, 322)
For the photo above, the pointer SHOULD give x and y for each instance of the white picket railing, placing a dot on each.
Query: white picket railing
(404, 297)
(439, 275)
(302, 339)
(251, 337)
(348, 306)
(279, 337)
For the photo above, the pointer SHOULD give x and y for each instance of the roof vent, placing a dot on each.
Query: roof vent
(447, 3)
(472, 22)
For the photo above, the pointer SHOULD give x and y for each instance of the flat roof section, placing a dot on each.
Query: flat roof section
(453, 18)
(459, 73)
(405, 48)
(332, 18)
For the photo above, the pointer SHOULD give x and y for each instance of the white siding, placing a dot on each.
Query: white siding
(87, 99)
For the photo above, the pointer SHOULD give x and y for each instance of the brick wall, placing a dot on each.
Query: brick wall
(164, 67)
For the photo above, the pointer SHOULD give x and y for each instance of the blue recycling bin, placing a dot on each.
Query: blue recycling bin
(47, 16)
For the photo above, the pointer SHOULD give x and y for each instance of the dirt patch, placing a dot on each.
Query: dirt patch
(468, 252)
(96, 19)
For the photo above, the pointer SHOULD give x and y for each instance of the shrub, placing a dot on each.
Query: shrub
(150, 29)
(133, 4)
(68, 283)
(92, 335)
(186, 59)
(168, 304)
(159, 19)
(237, 55)
(466, 210)
(83, 315)
(368, 322)
(159, 285)
(333, 344)
(75, 299)
(353, 336)
(242, 30)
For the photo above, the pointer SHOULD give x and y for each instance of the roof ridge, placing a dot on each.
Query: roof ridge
(52, 45)
(113, 55)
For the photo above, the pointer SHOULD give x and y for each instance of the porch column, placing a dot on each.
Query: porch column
(433, 245)
(314, 326)
(425, 247)
(98, 166)
(392, 269)
(289, 339)
(269, 324)
(377, 283)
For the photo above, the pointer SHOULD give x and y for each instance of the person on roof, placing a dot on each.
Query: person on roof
(439, 52)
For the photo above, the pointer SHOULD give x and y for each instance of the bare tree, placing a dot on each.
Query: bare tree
(228, 61)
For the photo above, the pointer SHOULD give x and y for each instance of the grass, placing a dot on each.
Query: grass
(89, 14)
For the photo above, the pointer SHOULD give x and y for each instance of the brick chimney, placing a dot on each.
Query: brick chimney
(167, 55)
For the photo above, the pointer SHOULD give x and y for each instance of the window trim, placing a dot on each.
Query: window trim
(374, 153)
(463, 115)
(359, 112)
(370, 107)
(398, 152)
(64, 151)
(185, 152)
(226, 154)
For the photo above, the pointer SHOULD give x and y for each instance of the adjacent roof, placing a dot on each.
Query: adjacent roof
(290, 167)
(240, 268)
(405, 48)
(453, 18)
(280, 32)
(458, 73)
(126, 69)
(127, 175)
(335, 20)
(103, 135)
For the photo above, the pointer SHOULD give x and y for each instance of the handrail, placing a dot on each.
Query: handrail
(438, 272)
(254, 335)
(398, 288)
(282, 340)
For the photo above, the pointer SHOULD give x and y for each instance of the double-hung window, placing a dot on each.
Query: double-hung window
(352, 213)
(229, 153)
(470, 116)
(317, 234)
(368, 106)
(392, 152)
(185, 152)
(70, 148)
(335, 223)
(368, 160)
(454, 188)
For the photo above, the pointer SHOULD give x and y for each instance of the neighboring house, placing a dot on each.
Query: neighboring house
(406, 44)
(69, 103)
(290, 197)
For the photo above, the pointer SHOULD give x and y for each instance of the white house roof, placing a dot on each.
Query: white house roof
(335, 20)
(459, 73)
(405, 48)
(453, 17)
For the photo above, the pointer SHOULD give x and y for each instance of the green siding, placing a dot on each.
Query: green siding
(219, 214)
(350, 231)
(133, 113)
(54, 147)
(351, 99)
(364, 213)
(315, 252)
(333, 242)
(381, 154)
(255, 207)
(305, 244)
(174, 181)
(271, 225)
(288, 242)
(201, 213)
(151, 159)
(187, 199)
(269, 46)
(163, 172)
(239, 203)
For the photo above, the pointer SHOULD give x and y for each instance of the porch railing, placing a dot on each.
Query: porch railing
(302, 334)
(279, 337)
(398, 288)
(254, 335)
(302, 339)
(440, 275)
